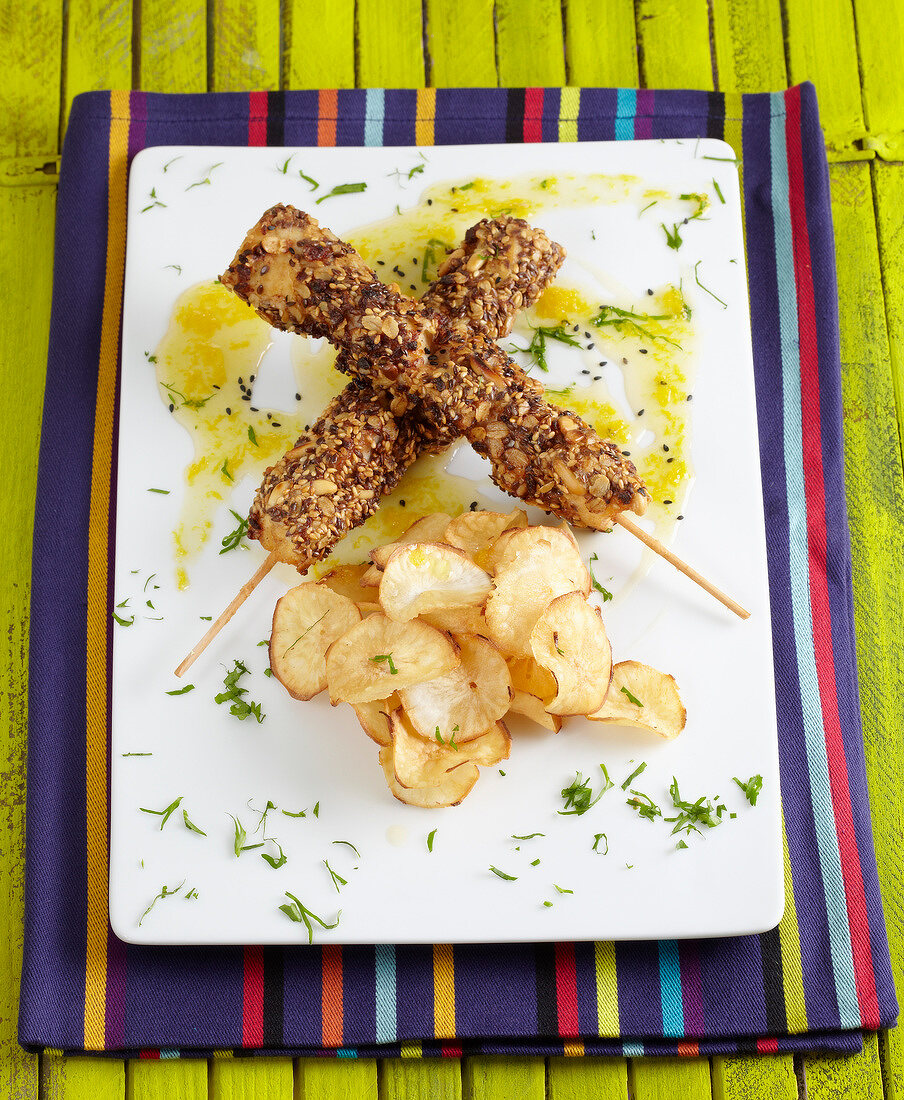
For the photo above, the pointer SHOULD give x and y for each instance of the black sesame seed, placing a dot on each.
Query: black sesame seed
(269, 416)
(246, 396)
(681, 517)
(625, 362)
(297, 396)
(240, 382)
(307, 427)
(602, 362)
(627, 454)
(381, 263)
(171, 408)
(597, 377)
(585, 372)
(250, 377)
(454, 209)
(577, 328)
(670, 460)
(690, 397)
(401, 503)
(665, 447)
(429, 202)
(254, 410)
(640, 412)
(650, 292)
(276, 424)
(588, 335)
(643, 351)
(473, 506)
(668, 502)
(228, 412)
(215, 386)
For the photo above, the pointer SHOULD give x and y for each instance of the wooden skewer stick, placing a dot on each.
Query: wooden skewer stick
(238, 599)
(663, 551)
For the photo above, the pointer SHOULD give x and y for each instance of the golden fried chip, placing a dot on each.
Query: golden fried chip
(374, 717)
(306, 622)
(570, 641)
(645, 697)
(453, 788)
(426, 576)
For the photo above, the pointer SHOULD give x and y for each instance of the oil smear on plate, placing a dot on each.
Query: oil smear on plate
(625, 365)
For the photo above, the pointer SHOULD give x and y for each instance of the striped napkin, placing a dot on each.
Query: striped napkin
(813, 983)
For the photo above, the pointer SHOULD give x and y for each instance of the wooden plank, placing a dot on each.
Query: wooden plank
(30, 55)
(674, 44)
(838, 1078)
(148, 1079)
(320, 44)
(749, 43)
(461, 49)
(601, 44)
(245, 45)
(421, 1079)
(583, 1078)
(75, 1078)
(486, 1078)
(754, 1078)
(98, 48)
(251, 1079)
(336, 1079)
(530, 43)
(173, 53)
(389, 41)
(880, 45)
(669, 1079)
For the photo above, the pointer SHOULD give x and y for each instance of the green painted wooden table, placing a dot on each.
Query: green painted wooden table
(51, 50)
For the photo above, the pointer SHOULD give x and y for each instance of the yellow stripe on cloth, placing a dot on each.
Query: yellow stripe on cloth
(412, 1050)
(606, 988)
(98, 612)
(573, 1050)
(443, 992)
(425, 116)
(569, 108)
(789, 940)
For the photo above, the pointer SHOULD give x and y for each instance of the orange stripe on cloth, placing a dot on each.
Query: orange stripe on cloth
(573, 1050)
(443, 991)
(98, 613)
(331, 995)
(327, 112)
(425, 116)
(689, 1050)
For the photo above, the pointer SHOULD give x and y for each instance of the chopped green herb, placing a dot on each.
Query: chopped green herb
(466, 186)
(388, 658)
(314, 184)
(348, 844)
(691, 815)
(631, 699)
(430, 837)
(205, 618)
(163, 492)
(562, 890)
(298, 913)
(272, 860)
(535, 863)
(579, 796)
(233, 695)
(136, 754)
(647, 207)
(181, 691)
(604, 592)
(301, 813)
(726, 160)
(234, 538)
(285, 165)
(151, 359)
(262, 816)
(547, 905)
(224, 470)
(123, 622)
(644, 805)
(268, 672)
(206, 180)
(627, 320)
(176, 267)
(342, 189)
(192, 894)
(156, 202)
(190, 825)
(451, 742)
(174, 394)
(164, 814)
(502, 874)
(316, 810)
(173, 161)
(673, 239)
(597, 837)
(634, 774)
(263, 642)
(724, 305)
(537, 347)
(165, 892)
(306, 633)
(527, 836)
(702, 202)
(338, 880)
(252, 436)
(751, 788)
(430, 260)
(681, 844)
(501, 772)
(718, 191)
(240, 836)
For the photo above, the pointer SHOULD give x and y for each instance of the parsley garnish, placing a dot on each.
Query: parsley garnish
(644, 805)
(122, 621)
(388, 658)
(604, 592)
(136, 754)
(673, 239)
(301, 813)
(206, 180)
(306, 633)
(192, 894)
(527, 836)
(165, 892)
(316, 810)
(298, 913)
(234, 538)
(430, 837)
(338, 880)
(190, 825)
(692, 814)
(681, 844)
(718, 191)
(163, 492)
(252, 436)
(562, 890)
(502, 874)
(272, 860)
(348, 844)
(173, 161)
(181, 691)
(187, 402)
(751, 788)
(537, 347)
(702, 203)
(451, 742)
(579, 796)
(233, 694)
(597, 837)
(626, 319)
(224, 470)
(342, 189)
(430, 256)
(631, 699)
(176, 267)
(156, 202)
(633, 775)
(166, 813)
(647, 207)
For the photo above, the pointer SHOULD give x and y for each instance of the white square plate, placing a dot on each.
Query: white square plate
(728, 881)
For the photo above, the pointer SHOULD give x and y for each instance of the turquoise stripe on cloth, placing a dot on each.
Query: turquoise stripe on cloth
(373, 116)
(817, 763)
(670, 989)
(625, 110)
(386, 1025)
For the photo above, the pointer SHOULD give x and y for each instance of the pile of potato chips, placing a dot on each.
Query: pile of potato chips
(446, 631)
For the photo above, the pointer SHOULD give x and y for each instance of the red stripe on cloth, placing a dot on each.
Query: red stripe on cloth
(566, 990)
(767, 1046)
(151, 1055)
(257, 118)
(327, 110)
(331, 995)
(452, 1050)
(253, 998)
(533, 114)
(821, 611)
